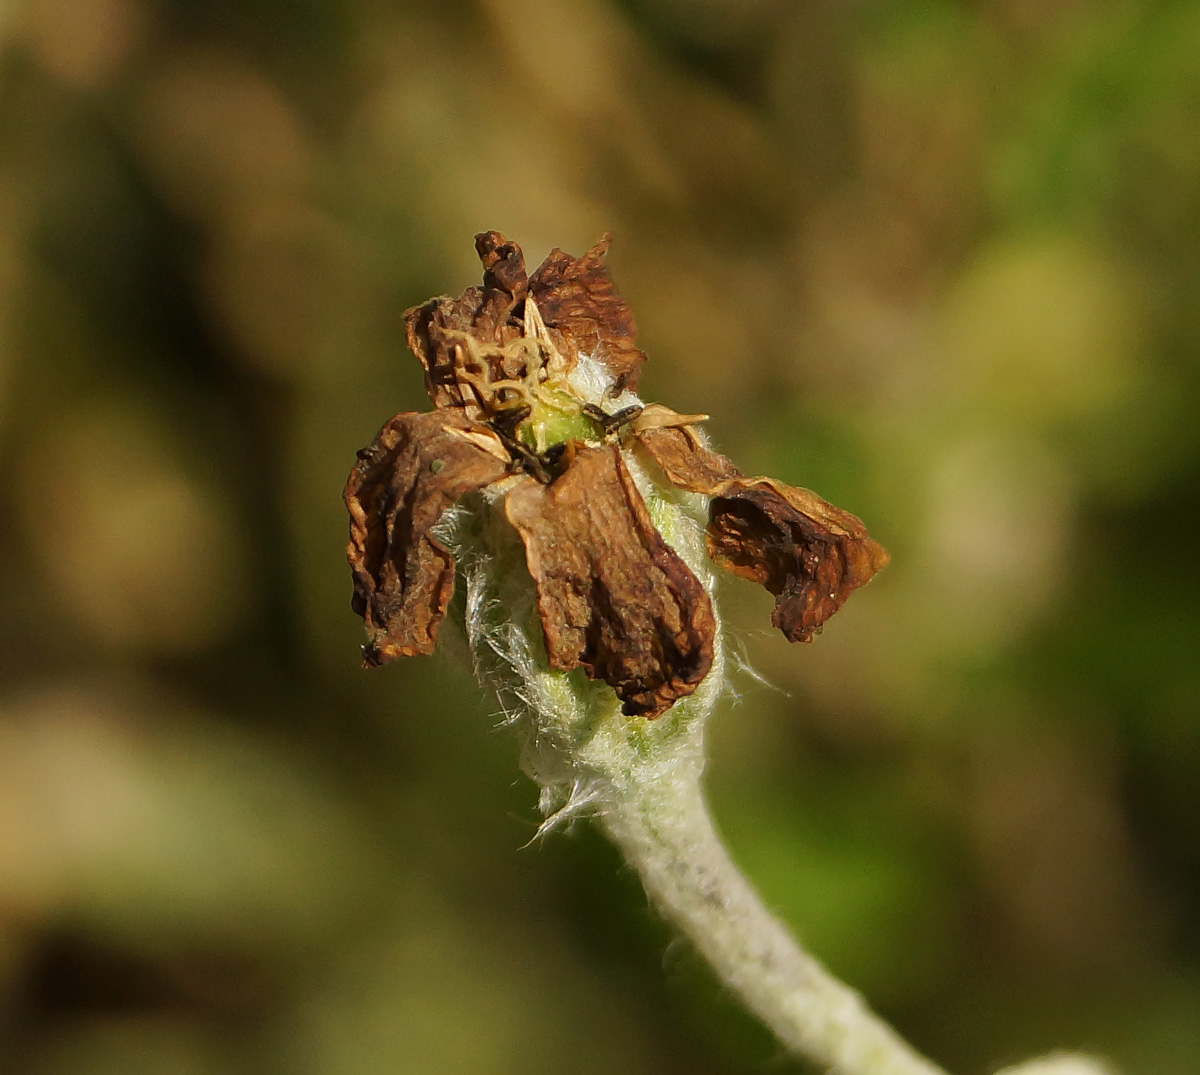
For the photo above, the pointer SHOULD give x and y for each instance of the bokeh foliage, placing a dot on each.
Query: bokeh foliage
(938, 261)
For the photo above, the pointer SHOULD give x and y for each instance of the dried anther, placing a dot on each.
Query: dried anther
(611, 424)
(613, 597)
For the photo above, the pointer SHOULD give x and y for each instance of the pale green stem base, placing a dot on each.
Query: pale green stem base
(641, 781)
(691, 879)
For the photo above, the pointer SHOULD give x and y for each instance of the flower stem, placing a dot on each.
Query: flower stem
(641, 780)
(690, 878)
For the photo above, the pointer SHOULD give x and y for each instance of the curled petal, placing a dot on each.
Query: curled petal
(504, 279)
(805, 551)
(576, 296)
(613, 596)
(417, 467)
(477, 340)
(808, 553)
(686, 460)
(476, 329)
(656, 416)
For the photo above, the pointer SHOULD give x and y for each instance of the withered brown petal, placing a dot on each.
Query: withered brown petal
(685, 460)
(805, 551)
(503, 270)
(576, 296)
(808, 553)
(429, 327)
(417, 467)
(613, 597)
(489, 315)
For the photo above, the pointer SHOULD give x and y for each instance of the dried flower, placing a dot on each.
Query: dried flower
(533, 380)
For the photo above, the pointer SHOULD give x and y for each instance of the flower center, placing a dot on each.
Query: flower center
(556, 417)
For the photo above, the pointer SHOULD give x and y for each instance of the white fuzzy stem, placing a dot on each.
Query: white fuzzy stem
(641, 780)
(693, 882)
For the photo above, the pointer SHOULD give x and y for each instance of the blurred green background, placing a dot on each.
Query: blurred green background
(938, 261)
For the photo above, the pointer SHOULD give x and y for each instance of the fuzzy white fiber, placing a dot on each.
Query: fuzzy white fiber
(641, 781)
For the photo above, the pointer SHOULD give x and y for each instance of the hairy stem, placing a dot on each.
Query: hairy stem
(693, 882)
(641, 781)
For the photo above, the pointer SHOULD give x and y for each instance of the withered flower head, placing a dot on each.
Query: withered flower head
(532, 380)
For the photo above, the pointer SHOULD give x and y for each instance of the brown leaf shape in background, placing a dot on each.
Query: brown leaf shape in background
(418, 466)
(613, 597)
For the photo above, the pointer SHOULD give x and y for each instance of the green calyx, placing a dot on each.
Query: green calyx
(554, 420)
